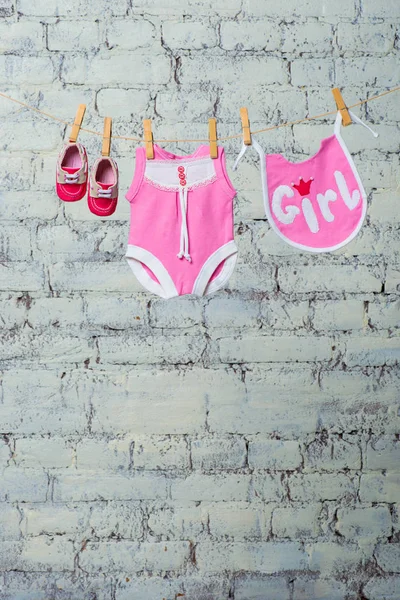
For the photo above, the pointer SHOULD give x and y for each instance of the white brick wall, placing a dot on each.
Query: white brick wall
(244, 446)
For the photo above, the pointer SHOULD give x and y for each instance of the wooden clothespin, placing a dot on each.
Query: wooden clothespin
(341, 105)
(105, 150)
(244, 115)
(80, 113)
(148, 138)
(212, 136)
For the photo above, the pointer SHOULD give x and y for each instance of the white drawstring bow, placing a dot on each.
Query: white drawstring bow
(184, 241)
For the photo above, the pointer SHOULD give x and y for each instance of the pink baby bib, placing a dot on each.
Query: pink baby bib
(318, 204)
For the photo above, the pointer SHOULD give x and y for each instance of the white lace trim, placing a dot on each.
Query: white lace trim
(176, 188)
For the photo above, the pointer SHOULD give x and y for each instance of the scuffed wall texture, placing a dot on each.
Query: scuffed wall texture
(241, 447)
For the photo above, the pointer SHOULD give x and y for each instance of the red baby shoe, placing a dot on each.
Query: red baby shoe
(72, 171)
(103, 187)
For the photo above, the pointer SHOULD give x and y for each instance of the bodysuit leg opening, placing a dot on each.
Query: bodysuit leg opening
(226, 254)
(136, 258)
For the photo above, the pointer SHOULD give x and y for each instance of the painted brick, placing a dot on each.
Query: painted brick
(250, 35)
(197, 487)
(9, 522)
(302, 8)
(22, 205)
(188, 101)
(274, 454)
(57, 519)
(84, 35)
(22, 37)
(43, 453)
(131, 556)
(117, 520)
(275, 349)
(117, 69)
(297, 522)
(109, 455)
(32, 402)
(377, 38)
(262, 557)
(56, 312)
(37, 554)
(251, 70)
(392, 283)
(130, 35)
(327, 557)
(5, 453)
(218, 453)
(396, 518)
(122, 103)
(177, 522)
(156, 587)
(331, 278)
(239, 521)
(382, 8)
(232, 312)
(283, 103)
(197, 8)
(255, 587)
(190, 35)
(364, 523)
(20, 276)
(99, 486)
(177, 313)
(307, 38)
(92, 277)
(318, 70)
(44, 137)
(6, 8)
(384, 315)
(26, 70)
(333, 454)
(169, 452)
(380, 588)
(388, 557)
(74, 8)
(209, 586)
(379, 488)
(287, 315)
(67, 244)
(368, 70)
(23, 485)
(372, 351)
(176, 410)
(383, 453)
(340, 315)
(317, 486)
(114, 312)
(318, 589)
(267, 487)
(252, 278)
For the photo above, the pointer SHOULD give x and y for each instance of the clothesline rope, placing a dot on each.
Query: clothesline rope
(219, 139)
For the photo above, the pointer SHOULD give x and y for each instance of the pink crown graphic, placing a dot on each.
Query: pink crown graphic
(303, 187)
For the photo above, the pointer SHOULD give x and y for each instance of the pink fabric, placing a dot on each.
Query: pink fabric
(320, 173)
(156, 218)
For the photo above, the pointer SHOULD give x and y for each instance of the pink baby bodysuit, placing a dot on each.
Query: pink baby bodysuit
(181, 228)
